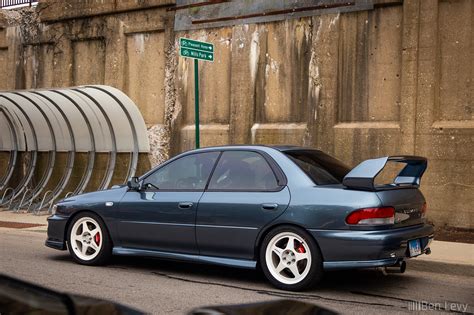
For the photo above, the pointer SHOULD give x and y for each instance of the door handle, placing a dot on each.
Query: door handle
(269, 206)
(185, 205)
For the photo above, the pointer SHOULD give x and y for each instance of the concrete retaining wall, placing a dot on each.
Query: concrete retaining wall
(397, 79)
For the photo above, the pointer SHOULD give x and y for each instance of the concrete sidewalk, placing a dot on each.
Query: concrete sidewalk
(451, 253)
(11, 222)
(10, 216)
(446, 257)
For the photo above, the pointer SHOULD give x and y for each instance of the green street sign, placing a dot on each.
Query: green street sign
(196, 54)
(194, 44)
(195, 49)
(198, 51)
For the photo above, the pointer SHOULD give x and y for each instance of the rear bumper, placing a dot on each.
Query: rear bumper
(56, 232)
(347, 249)
(357, 264)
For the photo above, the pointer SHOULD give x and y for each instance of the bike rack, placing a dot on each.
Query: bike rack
(51, 206)
(17, 208)
(69, 194)
(113, 156)
(133, 162)
(14, 153)
(89, 119)
(36, 191)
(34, 153)
(5, 192)
(11, 198)
(91, 154)
(71, 153)
(29, 206)
(38, 210)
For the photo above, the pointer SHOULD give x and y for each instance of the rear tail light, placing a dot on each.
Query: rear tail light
(423, 210)
(372, 216)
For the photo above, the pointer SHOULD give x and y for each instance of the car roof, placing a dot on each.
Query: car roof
(281, 148)
(284, 148)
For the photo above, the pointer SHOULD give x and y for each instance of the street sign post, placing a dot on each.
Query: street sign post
(198, 51)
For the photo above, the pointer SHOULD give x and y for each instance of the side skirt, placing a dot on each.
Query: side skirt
(231, 262)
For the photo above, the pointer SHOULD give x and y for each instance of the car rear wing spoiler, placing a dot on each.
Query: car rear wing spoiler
(363, 175)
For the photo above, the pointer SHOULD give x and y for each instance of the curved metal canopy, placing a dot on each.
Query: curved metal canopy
(88, 119)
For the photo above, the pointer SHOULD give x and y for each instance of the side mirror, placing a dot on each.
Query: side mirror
(133, 183)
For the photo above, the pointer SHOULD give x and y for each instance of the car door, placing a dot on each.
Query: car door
(247, 190)
(161, 215)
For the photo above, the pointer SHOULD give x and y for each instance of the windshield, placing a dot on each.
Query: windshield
(320, 167)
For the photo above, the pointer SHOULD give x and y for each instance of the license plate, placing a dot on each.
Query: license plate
(414, 247)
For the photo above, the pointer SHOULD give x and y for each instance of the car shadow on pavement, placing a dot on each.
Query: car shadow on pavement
(372, 280)
(344, 280)
(181, 269)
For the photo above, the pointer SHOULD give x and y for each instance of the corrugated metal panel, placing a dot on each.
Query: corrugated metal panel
(6, 139)
(127, 122)
(192, 14)
(27, 140)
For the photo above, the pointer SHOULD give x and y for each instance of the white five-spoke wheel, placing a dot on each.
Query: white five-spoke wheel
(88, 240)
(290, 258)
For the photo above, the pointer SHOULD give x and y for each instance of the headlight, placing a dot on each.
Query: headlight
(53, 209)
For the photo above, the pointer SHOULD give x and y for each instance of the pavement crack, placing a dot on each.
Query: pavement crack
(277, 293)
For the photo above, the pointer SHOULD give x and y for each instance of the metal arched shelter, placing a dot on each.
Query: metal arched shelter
(86, 119)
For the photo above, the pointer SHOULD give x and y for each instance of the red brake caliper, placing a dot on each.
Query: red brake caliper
(97, 238)
(301, 249)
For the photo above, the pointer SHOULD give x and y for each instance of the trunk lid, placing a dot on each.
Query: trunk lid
(408, 203)
(395, 180)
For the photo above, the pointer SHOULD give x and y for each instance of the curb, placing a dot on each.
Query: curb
(440, 267)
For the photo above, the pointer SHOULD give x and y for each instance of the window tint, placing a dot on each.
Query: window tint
(189, 172)
(320, 167)
(243, 170)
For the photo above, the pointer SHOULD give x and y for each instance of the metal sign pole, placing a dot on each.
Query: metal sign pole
(196, 100)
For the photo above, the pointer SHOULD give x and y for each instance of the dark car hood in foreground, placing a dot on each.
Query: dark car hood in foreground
(270, 307)
(20, 297)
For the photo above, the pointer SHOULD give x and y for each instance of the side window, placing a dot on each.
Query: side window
(243, 170)
(189, 172)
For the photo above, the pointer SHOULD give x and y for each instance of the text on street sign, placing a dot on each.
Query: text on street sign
(194, 44)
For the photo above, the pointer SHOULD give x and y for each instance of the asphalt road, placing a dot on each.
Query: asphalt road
(161, 287)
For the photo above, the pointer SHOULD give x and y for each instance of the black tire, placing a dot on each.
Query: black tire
(105, 252)
(316, 267)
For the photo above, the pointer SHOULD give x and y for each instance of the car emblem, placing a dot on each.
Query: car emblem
(409, 211)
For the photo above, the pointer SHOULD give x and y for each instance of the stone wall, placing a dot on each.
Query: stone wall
(393, 80)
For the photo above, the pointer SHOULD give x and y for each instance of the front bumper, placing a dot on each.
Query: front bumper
(56, 232)
(347, 249)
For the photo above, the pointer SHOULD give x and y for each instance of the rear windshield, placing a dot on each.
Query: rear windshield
(320, 167)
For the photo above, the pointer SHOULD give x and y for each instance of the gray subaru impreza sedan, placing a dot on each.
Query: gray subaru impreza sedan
(293, 211)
